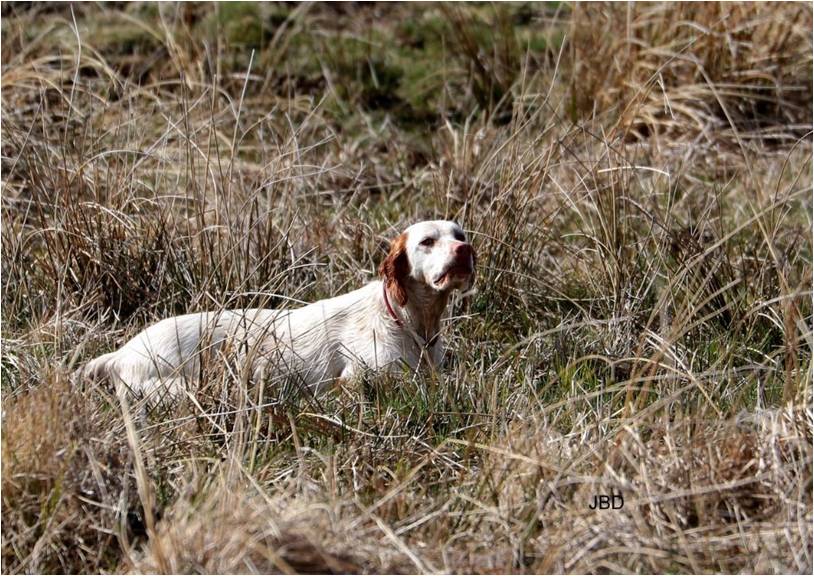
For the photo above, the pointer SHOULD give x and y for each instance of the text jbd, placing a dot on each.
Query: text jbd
(610, 501)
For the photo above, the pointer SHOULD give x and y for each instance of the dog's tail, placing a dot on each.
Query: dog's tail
(97, 369)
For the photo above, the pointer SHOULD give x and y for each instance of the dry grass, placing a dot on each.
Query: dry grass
(705, 70)
(637, 181)
(66, 499)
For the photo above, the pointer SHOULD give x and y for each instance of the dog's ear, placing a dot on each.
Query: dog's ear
(395, 269)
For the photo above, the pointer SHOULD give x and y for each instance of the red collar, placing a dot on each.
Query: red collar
(389, 307)
(427, 343)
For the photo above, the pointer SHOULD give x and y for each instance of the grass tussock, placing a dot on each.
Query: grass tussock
(696, 488)
(686, 70)
(637, 183)
(231, 532)
(66, 498)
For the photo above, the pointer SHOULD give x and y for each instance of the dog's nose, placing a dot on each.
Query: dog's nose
(462, 250)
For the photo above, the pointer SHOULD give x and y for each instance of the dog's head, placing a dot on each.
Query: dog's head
(434, 254)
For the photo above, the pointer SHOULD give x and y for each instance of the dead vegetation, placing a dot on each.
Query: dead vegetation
(637, 181)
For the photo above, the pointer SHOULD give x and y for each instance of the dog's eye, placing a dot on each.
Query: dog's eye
(459, 236)
(428, 241)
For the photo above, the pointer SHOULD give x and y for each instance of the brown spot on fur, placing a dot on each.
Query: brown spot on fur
(395, 269)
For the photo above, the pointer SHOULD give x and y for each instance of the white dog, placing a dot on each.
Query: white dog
(386, 323)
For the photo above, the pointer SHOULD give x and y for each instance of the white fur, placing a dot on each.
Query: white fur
(319, 342)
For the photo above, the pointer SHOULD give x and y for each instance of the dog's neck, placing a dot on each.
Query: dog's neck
(423, 310)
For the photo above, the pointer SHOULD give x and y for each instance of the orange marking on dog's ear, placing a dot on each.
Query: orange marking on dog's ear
(395, 269)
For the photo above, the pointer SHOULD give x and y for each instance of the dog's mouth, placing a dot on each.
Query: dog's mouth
(456, 271)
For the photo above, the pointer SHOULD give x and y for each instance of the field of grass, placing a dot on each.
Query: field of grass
(637, 182)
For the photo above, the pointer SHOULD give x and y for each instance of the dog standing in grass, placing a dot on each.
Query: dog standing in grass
(389, 322)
